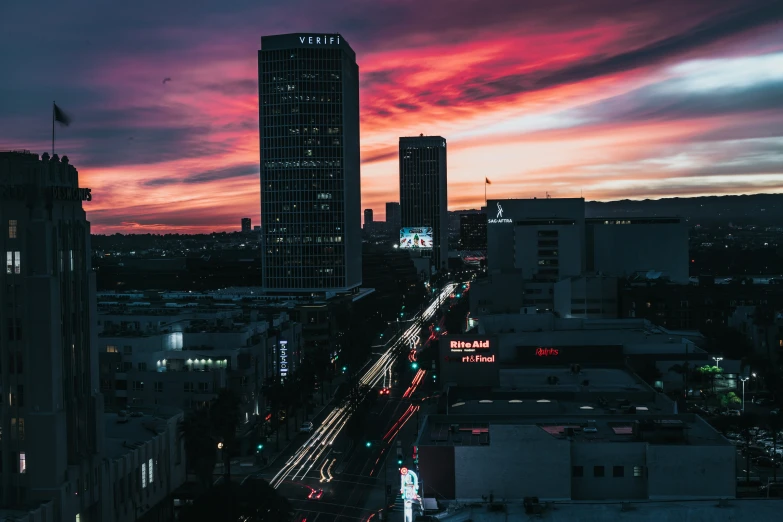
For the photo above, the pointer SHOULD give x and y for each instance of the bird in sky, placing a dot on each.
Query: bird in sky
(165, 80)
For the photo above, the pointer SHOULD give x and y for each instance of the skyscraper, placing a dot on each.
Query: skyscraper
(423, 194)
(52, 433)
(246, 225)
(368, 218)
(310, 180)
(393, 222)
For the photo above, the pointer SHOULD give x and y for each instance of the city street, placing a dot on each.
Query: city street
(326, 484)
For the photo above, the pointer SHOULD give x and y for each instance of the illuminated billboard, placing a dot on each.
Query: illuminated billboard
(470, 360)
(416, 238)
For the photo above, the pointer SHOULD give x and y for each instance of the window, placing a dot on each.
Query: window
(150, 467)
(138, 385)
(127, 366)
(22, 462)
(203, 387)
(618, 471)
(19, 395)
(638, 471)
(111, 349)
(578, 471)
(598, 471)
(142, 366)
(143, 475)
(159, 387)
(17, 429)
(189, 387)
(128, 350)
(11, 229)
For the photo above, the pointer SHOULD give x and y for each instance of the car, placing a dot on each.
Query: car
(306, 427)
(734, 413)
(385, 391)
(315, 494)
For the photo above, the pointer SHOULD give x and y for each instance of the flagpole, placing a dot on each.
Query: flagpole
(485, 192)
(53, 106)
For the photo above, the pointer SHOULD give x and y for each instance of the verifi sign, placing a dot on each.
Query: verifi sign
(320, 40)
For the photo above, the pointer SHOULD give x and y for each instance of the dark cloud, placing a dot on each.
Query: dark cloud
(411, 107)
(659, 103)
(160, 182)
(238, 171)
(377, 156)
(719, 27)
(234, 87)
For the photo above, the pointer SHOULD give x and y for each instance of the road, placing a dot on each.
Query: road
(349, 486)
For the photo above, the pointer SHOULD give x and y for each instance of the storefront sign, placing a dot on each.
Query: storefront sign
(547, 352)
(469, 346)
(478, 359)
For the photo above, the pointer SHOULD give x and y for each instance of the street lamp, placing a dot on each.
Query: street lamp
(717, 361)
(743, 379)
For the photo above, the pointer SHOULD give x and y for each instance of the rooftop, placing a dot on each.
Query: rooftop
(122, 438)
(588, 379)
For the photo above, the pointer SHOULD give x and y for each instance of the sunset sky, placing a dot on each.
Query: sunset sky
(613, 99)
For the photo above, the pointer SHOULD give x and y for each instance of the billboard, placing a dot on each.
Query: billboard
(470, 360)
(416, 238)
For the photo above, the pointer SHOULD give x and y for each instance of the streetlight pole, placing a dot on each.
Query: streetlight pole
(743, 379)
(717, 361)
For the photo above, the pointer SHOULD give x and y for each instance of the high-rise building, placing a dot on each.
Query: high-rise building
(51, 414)
(393, 220)
(473, 231)
(310, 181)
(246, 225)
(423, 195)
(368, 218)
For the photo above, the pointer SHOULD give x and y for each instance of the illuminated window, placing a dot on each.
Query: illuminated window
(13, 262)
(78, 517)
(111, 349)
(22, 462)
(11, 229)
(143, 475)
(151, 475)
(637, 471)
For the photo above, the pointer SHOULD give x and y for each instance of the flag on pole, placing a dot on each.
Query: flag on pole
(487, 181)
(60, 116)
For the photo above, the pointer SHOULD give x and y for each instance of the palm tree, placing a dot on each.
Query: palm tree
(200, 445)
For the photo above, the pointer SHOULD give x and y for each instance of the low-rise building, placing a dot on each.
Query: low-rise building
(570, 434)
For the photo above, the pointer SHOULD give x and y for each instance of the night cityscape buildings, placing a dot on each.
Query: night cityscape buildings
(393, 218)
(310, 181)
(246, 225)
(424, 192)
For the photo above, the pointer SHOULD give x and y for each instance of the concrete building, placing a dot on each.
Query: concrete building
(179, 351)
(625, 246)
(562, 434)
(587, 297)
(52, 443)
(393, 218)
(368, 218)
(58, 462)
(310, 169)
(473, 231)
(423, 192)
(246, 225)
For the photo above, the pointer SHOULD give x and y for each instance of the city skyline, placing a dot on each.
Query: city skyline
(609, 100)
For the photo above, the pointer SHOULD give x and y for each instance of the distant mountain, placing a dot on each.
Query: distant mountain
(756, 208)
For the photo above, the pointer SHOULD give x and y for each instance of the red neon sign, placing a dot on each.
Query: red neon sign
(403, 471)
(546, 352)
(478, 359)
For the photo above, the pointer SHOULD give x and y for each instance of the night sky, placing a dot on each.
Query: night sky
(611, 98)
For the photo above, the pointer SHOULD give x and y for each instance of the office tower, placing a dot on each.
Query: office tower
(393, 222)
(473, 231)
(246, 225)
(52, 429)
(310, 183)
(423, 197)
(368, 218)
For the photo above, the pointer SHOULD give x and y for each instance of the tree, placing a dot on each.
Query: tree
(252, 501)
(224, 415)
(728, 400)
(200, 445)
(711, 372)
(775, 424)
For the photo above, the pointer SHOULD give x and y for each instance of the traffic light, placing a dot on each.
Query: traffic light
(368, 443)
(415, 366)
(259, 447)
(399, 462)
(345, 369)
(459, 295)
(437, 328)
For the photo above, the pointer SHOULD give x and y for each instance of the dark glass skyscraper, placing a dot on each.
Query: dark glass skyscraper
(423, 196)
(308, 88)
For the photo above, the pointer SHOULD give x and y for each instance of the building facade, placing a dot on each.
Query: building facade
(52, 435)
(393, 218)
(423, 191)
(310, 170)
(473, 231)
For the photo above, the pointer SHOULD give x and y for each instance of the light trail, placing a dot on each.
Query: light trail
(310, 453)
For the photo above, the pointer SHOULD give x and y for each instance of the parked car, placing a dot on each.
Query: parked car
(734, 413)
(754, 451)
(773, 489)
(306, 427)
